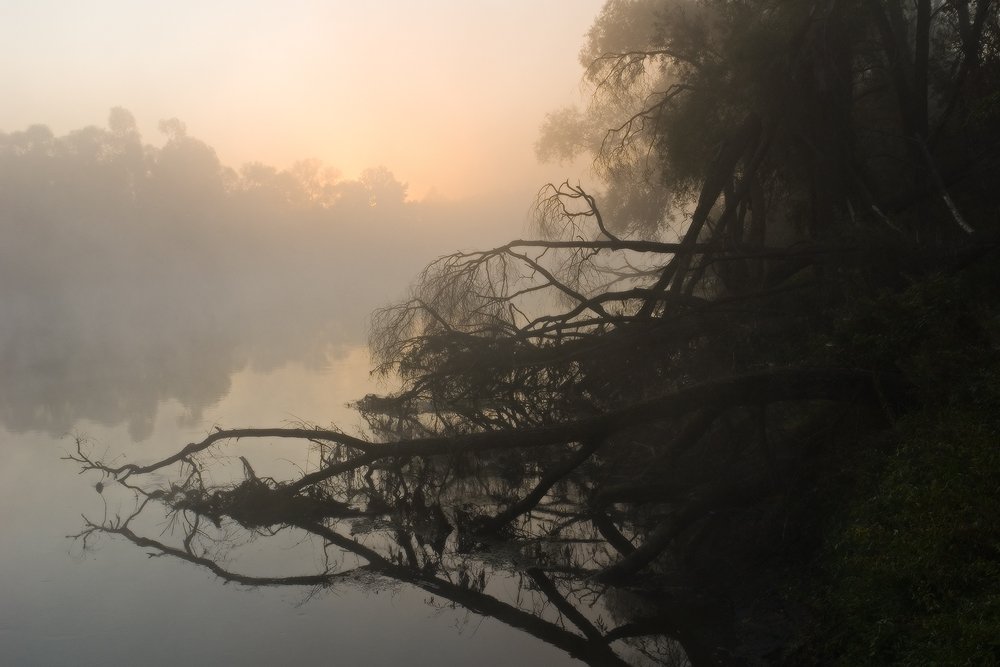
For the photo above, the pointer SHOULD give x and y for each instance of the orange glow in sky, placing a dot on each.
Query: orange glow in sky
(448, 94)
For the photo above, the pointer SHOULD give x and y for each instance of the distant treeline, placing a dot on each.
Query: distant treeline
(131, 273)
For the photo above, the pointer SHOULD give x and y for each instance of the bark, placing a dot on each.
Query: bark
(549, 480)
(749, 389)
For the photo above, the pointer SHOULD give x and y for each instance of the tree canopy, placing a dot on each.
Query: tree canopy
(862, 103)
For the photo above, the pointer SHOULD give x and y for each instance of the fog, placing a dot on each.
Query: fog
(268, 174)
(447, 94)
(133, 272)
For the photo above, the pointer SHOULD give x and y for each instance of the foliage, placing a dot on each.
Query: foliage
(851, 93)
(914, 568)
(909, 565)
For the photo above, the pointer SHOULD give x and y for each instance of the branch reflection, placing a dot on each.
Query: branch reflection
(475, 533)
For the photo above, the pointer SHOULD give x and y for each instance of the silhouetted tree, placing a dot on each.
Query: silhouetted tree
(864, 104)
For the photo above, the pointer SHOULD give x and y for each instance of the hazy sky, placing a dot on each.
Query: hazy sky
(448, 94)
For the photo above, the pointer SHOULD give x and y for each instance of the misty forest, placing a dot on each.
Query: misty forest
(730, 398)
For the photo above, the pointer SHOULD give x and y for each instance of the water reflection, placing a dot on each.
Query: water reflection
(430, 523)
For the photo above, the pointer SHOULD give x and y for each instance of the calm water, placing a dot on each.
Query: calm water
(114, 604)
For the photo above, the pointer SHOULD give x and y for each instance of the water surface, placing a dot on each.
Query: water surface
(115, 604)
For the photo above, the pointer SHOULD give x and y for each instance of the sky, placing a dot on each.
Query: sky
(448, 94)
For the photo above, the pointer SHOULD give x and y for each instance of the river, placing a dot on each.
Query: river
(112, 603)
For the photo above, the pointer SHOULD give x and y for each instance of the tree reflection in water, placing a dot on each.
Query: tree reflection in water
(508, 534)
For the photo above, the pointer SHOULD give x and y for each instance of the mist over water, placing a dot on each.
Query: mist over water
(150, 293)
(131, 273)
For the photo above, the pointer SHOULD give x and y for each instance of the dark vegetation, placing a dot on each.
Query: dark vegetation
(754, 394)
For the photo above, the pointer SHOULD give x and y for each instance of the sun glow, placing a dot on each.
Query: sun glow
(448, 95)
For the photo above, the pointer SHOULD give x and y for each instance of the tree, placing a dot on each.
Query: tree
(863, 104)
(383, 188)
(817, 155)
